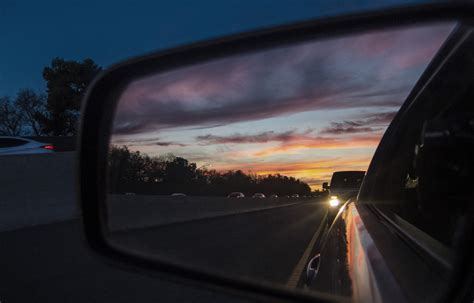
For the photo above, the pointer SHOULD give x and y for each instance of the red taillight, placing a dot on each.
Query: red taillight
(50, 147)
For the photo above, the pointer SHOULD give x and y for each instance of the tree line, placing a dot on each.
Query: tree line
(55, 112)
(132, 171)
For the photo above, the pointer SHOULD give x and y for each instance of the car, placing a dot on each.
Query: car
(295, 196)
(273, 197)
(19, 146)
(345, 184)
(258, 196)
(237, 195)
(178, 195)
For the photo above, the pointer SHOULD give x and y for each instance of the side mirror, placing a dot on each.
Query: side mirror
(166, 138)
(312, 269)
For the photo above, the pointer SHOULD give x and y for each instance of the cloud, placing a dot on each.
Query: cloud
(380, 118)
(375, 122)
(169, 143)
(322, 143)
(263, 137)
(321, 75)
(292, 141)
(341, 128)
(145, 142)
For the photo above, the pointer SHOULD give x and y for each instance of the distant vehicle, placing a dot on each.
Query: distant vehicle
(295, 196)
(345, 184)
(237, 195)
(287, 196)
(258, 196)
(19, 146)
(130, 194)
(178, 195)
(273, 197)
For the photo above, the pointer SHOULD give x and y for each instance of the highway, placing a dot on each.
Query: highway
(263, 244)
(51, 263)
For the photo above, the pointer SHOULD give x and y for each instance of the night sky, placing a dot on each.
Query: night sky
(33, 32)
(304, 110)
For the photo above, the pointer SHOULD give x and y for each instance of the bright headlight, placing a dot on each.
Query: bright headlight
(334, 201)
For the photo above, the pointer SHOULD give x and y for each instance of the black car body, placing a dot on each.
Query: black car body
(397, 241)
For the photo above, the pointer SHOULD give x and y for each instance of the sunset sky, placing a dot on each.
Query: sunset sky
(304, 110)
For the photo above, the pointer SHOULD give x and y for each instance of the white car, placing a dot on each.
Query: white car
(18, 146)
(258, 196)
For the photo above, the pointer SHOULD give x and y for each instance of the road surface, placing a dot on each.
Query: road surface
(50, 263)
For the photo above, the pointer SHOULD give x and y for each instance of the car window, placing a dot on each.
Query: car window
(8, 142)
(424, 181)
(347, 179)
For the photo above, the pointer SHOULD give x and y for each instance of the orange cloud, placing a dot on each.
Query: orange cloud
(322, 143)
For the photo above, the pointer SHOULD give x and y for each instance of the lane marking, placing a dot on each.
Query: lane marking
(300, 266)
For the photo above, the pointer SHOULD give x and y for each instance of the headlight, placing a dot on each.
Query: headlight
(334, 201)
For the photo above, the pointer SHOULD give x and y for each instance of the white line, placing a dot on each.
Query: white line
(296, 274)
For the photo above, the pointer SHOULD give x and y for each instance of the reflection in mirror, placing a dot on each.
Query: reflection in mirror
(223, 165)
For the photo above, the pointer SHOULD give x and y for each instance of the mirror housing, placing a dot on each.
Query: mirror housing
(102, 96)
(325, 186)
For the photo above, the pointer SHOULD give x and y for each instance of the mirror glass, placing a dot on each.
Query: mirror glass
(220, 165)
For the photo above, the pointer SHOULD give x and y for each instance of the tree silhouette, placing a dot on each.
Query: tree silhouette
(31, 106)
(67, 82)
(11, 118)
(135, 172)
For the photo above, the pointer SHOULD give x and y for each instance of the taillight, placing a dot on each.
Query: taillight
(49, 147)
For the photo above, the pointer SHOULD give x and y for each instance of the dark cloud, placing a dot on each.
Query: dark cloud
(371, 123)
(169, 143)
(381, 118)
(264, 137)
(339, 128)
(146, 142)
(314, 76)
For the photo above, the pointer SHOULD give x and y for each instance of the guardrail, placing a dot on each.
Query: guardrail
(37, 189)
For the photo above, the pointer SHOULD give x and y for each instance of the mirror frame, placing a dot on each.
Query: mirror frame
(100, 103)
